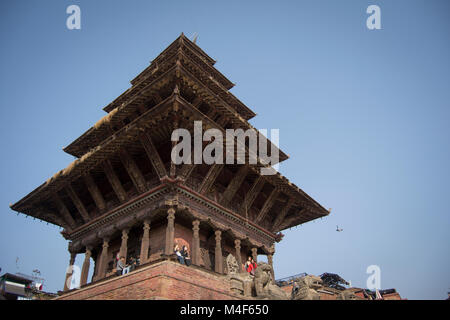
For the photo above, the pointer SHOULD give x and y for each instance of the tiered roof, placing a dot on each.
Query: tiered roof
(179, 86)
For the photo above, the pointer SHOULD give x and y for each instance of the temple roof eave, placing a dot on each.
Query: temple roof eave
(71, 149)
(300, 219)
(193, 50)
(120, 110)
(91, 158)
(22, 206)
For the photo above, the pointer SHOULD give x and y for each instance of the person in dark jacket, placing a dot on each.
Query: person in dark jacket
(133, 263)
(185, 254)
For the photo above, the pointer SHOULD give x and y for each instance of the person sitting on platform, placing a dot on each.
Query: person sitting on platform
(133, 263)
(248, 265)
(295, 288)
(120, 266)
(177, 251)
(185, 254)
(127, 267)
(254, 266)
(138, 261)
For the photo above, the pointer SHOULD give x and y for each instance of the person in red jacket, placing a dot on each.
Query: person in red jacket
(248, 265)
(254, 266)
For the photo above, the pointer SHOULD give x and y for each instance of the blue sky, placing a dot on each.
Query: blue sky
(363, 114)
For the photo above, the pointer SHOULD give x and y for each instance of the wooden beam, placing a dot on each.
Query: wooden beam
(222, 120)
(291, 218)
(173, 166)
(77, 202)
(279, 219)
(211, 113)
(60, 221)
(210, 177)
(45, 214)
(253, 193)
(197, 101)
(114, 181)
(234, 185)
(267, 205)
(95, 192)
(153, 155)
(133, 171)
(157, 97)
(186, 170)
(142, 109)
(64, 211)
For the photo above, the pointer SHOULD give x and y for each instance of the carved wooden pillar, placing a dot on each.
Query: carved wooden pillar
(270, 261)
(218, 253)
(124, 244)
(195, 250)
(145, 242)
(103, 259)
(86, 265)
(97, 262)
(69, 272)
(237, 247)
(170, 231)
(255, 254)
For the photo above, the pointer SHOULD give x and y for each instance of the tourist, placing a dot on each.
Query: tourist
(117, 259)
(254, 266)
(185, 254)
(295, 288)
(127, 267)
(177, 251)
(248, 265)
(133, 263)
(138, 261)
(120, 266)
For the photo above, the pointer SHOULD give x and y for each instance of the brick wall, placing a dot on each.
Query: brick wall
(157, 241)
(392, 296)
(162, 280)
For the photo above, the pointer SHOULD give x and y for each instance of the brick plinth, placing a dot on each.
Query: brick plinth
(162, 280)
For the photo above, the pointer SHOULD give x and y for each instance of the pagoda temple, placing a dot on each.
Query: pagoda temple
(124, 196)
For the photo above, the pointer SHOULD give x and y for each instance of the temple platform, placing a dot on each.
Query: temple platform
(163, 280)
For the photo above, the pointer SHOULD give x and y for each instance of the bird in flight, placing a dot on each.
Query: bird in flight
(339, 230)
